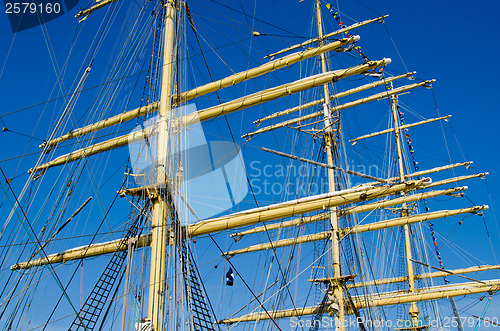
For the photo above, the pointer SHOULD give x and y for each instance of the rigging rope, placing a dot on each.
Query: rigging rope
(282, 272)
(32, 232)
(485, 309)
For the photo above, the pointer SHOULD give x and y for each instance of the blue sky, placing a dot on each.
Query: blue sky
(455, 42)
(447, 40)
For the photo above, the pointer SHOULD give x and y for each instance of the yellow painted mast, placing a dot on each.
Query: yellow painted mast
(160, 205)
(404, 211)
(338, 294)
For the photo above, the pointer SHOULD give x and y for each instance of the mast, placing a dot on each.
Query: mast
(329, 146)
(160, 205)
(404, 212)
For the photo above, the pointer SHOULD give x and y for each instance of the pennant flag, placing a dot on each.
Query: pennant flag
(415, 166)
(336, 16)
(229, 277)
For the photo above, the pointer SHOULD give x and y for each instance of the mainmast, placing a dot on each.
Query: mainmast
(338, 295)
(160, 204)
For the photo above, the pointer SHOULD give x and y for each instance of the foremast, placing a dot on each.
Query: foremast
(330, 142)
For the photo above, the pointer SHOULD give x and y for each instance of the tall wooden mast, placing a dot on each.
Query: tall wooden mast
(329, 146)
(160, 205)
